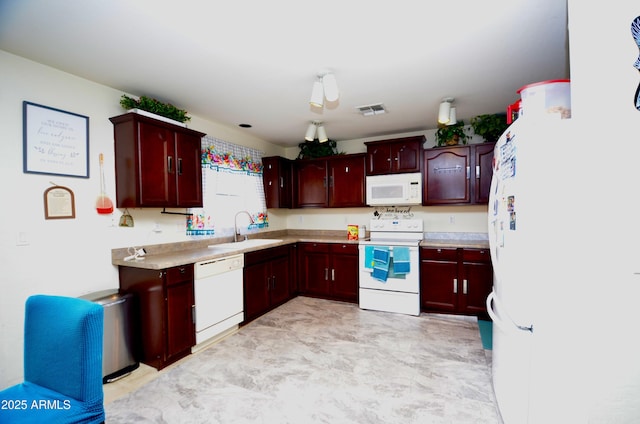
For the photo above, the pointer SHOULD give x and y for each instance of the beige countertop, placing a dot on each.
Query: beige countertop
(168, 255)
(455, 243)
(161, 256)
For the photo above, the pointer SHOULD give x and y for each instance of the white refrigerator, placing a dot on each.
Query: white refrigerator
(533, 219)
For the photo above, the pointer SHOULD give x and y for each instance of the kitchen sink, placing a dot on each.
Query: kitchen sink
(244, 244)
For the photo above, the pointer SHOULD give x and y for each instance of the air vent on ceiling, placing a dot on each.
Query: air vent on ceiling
(371, 110)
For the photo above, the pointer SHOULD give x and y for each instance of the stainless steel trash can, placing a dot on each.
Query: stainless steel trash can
(118, 356)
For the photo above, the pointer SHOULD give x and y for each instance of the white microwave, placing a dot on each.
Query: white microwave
(394, 189)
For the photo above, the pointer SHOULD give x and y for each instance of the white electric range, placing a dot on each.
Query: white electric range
(390, 266)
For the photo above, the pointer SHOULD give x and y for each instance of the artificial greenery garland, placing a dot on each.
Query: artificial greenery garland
(154, 106)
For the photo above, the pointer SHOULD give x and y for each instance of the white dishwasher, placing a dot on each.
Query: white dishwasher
(218, 296)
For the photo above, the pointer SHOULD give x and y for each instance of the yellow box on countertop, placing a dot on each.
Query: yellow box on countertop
(352, 232)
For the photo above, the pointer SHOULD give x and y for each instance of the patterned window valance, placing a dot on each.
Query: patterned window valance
(231, 182)
(217, 154)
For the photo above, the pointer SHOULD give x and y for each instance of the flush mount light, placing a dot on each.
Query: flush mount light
(444, 112)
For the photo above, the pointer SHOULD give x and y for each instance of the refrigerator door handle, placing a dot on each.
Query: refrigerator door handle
(507, 326)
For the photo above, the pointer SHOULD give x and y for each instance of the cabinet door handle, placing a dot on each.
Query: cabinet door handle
(333, 274)
(281, 182)
(464, 286)
(468, 172)
(268, 283)
(179, 166)
(455, 286)
(477, 171)
(170, 164)
(273, 282)
(193, 313)
(326, 274)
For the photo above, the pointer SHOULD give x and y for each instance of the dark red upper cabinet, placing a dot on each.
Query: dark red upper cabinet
(395, 156)
(158, 164)
(458, 175)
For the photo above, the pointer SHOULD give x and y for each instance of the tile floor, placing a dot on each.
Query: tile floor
(314, 360)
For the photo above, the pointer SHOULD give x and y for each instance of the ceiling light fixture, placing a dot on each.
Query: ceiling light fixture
(325, 87)
(311, 132)
(316, 126)
(330, 86)
(453, 119)
(317, 94)
(322, 134)
(444, 112)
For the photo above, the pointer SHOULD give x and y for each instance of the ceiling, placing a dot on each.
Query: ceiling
(255, 61)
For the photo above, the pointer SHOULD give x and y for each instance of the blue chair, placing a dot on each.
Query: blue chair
(62, 364)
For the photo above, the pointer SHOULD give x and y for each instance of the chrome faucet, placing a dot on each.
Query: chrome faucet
(235, 225)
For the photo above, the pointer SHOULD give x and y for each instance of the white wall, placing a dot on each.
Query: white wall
(604, 288)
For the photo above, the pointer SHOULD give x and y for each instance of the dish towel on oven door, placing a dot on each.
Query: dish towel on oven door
(382, 265)
(401, 260)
